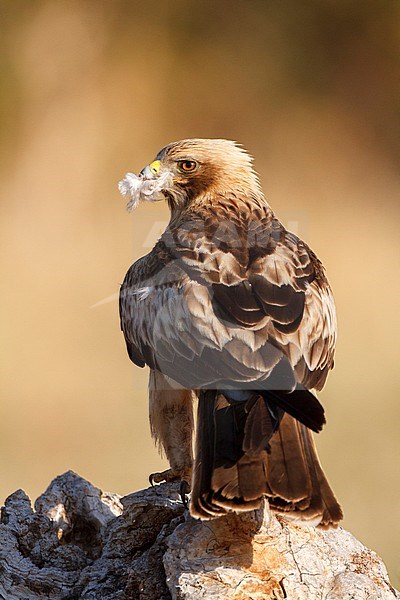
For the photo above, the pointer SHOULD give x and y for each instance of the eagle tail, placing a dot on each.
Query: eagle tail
(250, 448)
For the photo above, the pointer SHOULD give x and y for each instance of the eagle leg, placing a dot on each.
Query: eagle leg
(171, 423)
(170, 475)
(184, 492)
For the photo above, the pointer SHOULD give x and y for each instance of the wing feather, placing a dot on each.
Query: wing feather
(220, 308)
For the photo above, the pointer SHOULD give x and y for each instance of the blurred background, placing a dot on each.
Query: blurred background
(91, 90)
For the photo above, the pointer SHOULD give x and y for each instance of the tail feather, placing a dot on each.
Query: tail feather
(301, 404)
(225, 477)
(287, 466)
(245, 450)
(297, 484)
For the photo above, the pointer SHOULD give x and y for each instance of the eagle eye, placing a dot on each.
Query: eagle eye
(187, 166)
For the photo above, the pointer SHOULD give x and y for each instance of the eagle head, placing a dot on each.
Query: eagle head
(186, 170)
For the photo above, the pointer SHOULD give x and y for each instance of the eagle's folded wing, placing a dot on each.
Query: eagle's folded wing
(230, 290)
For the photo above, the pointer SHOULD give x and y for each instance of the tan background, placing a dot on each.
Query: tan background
(91, 90)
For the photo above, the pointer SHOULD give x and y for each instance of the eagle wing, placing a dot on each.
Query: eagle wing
(228, 295)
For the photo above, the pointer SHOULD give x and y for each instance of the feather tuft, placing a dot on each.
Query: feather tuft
(141, 189)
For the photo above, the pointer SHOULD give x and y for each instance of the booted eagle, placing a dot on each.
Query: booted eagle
(230, 307)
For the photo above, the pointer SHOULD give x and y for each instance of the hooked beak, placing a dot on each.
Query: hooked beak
(151, 170)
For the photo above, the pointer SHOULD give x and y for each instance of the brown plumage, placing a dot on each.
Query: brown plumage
(232, 305)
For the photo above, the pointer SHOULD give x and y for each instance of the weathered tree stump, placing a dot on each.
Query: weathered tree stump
(81, 543)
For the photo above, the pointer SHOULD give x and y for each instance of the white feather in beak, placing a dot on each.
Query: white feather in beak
(141, 189)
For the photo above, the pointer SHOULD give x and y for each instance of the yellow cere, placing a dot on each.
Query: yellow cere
(155, 166)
